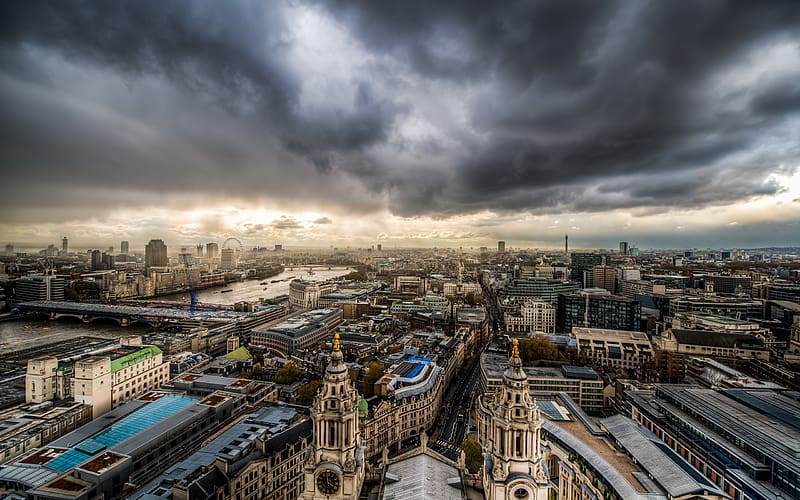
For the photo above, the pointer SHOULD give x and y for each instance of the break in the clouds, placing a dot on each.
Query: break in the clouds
(435, 114)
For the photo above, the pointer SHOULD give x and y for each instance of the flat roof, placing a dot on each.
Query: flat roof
(66, 484)
(103, 462)
(494, 364)
(607, 334)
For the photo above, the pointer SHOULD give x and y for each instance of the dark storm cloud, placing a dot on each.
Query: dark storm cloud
(586, 91)
(568, 105)
(211, 79)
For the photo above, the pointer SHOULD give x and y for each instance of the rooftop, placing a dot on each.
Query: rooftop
(240, 353)
(494, 364)
(762, 420)
(716, 339)
(124, 357)
(301, 324)
(606, 334)
(138, 421)
(233, 444)
(422, 477)
(103, 462)
(597, 449)
(68, 485)
(665, 469)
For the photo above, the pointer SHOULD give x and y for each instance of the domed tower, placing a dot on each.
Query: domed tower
(334, 467)
(509, 428)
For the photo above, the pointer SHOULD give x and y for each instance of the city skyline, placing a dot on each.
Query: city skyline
(316, 124)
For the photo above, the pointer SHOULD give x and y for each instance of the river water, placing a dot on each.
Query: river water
(252, 290)
(15, 335)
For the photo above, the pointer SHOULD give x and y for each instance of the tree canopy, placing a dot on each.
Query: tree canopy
(374, 372)
(536, 348)
(306, 392)
(289, 374)
(472, 454)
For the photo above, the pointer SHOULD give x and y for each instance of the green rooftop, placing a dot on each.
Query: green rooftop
(134, 357)
(240, 353)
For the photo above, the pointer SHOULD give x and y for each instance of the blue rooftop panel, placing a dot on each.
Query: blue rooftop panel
(415, 371)
(550, 409)
(142, 419)
(68, 460)
(91, 447)
(129, 426)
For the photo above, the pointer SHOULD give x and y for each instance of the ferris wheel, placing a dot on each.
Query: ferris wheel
(234, 244)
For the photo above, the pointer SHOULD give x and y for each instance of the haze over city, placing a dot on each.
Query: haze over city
(670, 124)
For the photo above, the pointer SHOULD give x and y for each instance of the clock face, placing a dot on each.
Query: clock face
(328, 482)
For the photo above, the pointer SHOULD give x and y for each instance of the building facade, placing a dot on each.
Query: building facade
(40, 287)
(598, 311)
(306, 294)
(105, 383)
(534, 316)
(614, 348)
(40, 379)
(155, 254)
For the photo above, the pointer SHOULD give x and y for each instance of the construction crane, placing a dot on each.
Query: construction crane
(192, 288)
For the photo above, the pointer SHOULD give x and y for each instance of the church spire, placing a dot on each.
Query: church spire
(514, 375)
(336, 363)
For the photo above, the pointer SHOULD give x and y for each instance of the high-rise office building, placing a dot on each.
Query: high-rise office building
(9, 249)
(212, 250)
(108, 261)
(623, 247)
(155, 254)
(64, 245)
(597, 311)
(199, 250)
(501, 246)
(228, 260)
(97, 260)
(123, 247)
(605, 277)
(582, 262)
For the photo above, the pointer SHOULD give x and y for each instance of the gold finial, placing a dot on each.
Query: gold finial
(515, 348)
(336, 345)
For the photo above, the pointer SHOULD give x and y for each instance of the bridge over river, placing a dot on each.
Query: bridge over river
(128, 314)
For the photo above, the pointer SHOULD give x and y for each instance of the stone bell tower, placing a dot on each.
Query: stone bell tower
(509, 427)
(334, 468)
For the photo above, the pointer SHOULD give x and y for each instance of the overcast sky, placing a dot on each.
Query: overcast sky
(430, 123)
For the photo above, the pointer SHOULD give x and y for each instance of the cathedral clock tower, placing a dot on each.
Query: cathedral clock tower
(509, 427)
(334, 468)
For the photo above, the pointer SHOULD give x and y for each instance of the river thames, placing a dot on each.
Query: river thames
(22, 334)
